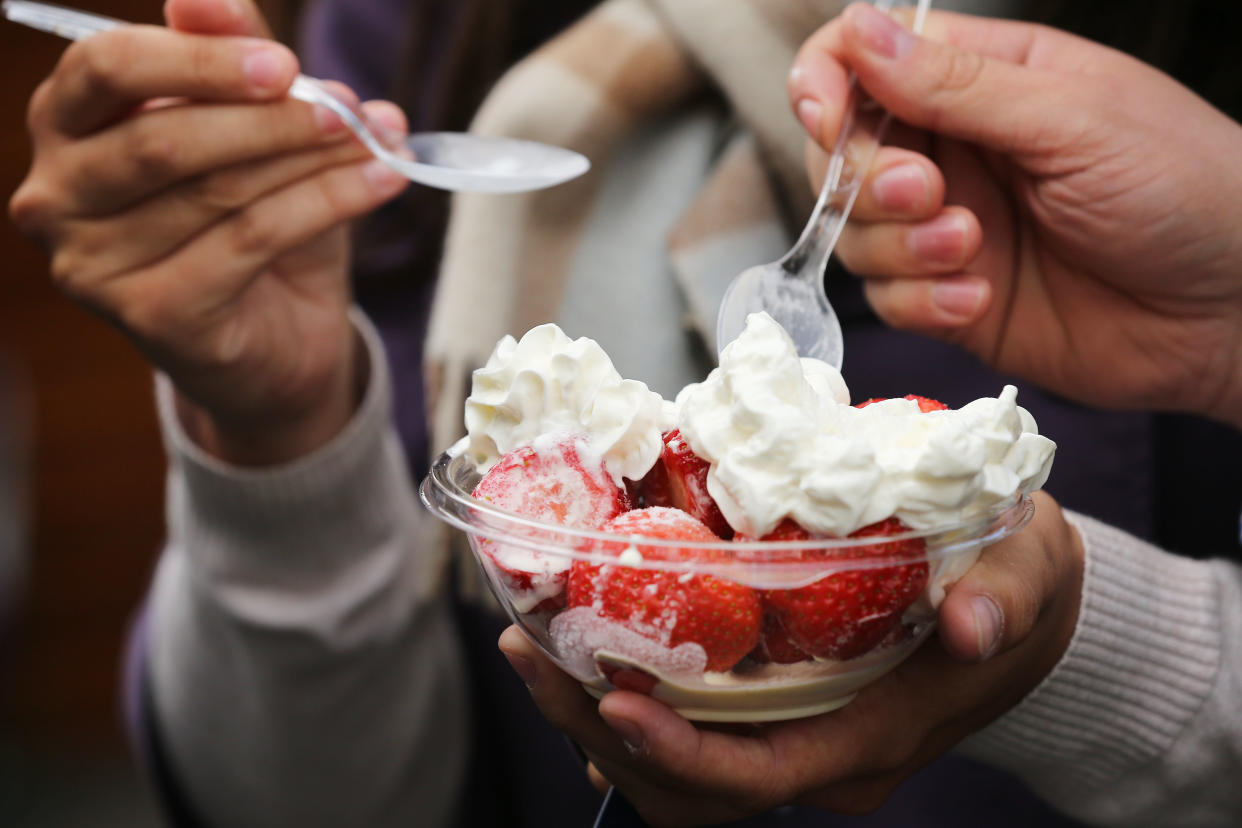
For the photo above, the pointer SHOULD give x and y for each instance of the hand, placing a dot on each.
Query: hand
(1002, 629)
(184, 198)
(1061, 210)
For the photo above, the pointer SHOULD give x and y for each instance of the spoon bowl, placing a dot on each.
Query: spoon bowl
(462, 161)
(791, 290)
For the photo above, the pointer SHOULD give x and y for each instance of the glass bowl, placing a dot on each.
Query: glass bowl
(604, 654)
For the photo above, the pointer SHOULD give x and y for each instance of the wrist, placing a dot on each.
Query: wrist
(275, 438)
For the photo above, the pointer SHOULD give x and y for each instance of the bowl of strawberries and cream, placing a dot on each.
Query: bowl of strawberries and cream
(758, 549)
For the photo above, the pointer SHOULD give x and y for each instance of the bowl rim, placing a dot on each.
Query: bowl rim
(456, 506)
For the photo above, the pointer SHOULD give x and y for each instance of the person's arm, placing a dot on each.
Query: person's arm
(1138, 723)
(303, 664)
(301, 670)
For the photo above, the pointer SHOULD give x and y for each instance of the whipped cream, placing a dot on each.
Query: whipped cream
(547, 384)
(778, 431)
(783, 441)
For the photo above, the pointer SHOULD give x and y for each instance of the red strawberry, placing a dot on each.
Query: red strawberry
(687, 483)
(668, 606)
(775, 645)
(552, 486)
(849, 613)
(925, 403)
(652, 490)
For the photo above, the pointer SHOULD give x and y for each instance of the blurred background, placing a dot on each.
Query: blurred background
(81, 477)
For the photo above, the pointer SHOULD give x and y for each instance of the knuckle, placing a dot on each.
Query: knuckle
(29, 208)
(252, 232)
(97, 61)
(220, 192)
(958, 71)
(334, 197)
(40, 104)
(155, 153)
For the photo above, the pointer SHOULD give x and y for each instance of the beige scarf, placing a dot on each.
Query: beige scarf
(628, 86)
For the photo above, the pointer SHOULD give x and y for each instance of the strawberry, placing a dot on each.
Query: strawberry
(849, 613)
(553, 486)
(925, 403)
(775, 645)
(670, 607)
(687, 483)
(652, 490)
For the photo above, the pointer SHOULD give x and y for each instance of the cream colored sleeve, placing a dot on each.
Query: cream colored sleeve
(1141, 721)
(304, 667)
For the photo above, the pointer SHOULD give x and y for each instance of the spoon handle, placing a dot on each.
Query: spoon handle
(862, 130)
(70, 24)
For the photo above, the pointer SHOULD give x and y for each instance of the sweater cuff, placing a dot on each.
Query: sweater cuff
(1139, 666)
(296, 525)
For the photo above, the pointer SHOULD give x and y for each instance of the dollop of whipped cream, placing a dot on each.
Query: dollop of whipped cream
(783, 441)
(547, 384)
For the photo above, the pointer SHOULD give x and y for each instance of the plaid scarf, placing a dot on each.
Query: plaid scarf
(628, 64)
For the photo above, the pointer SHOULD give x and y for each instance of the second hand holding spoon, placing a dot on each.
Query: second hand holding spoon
(791, 289)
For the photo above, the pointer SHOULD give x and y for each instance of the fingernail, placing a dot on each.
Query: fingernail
(988, 625)
(939, 239)
(263, 66)
(901, 189)
(879, 33)
(524, 668)
(809, 113)
(958, 298)
(629, 732)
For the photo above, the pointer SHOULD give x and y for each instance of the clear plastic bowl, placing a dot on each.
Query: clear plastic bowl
(591, 648)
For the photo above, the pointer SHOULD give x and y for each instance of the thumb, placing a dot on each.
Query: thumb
(998, 602)
(229, 17)
(981, 93)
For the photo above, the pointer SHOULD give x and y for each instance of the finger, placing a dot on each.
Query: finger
(659, 805)
(932, 306)
(974, 87)
(149, 152)
(560, 697)
(235, 17)
(98, 248)
(745, 768)
(998, 601)
(209, 273)
(107, 75)
(597, 779)
(900, 186)
(943, 244)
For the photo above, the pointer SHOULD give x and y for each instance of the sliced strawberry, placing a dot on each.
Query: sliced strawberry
(687, 484)
(554, 486)
(670, 607)
(849, 613)
(925, 403)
